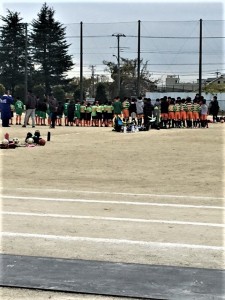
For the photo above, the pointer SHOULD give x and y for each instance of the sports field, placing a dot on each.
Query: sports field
(151, 197)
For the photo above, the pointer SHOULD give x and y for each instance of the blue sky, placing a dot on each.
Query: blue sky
(159, 19)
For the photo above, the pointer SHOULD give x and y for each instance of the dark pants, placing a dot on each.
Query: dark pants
(53, 119)
(5, 122)
(215, 116)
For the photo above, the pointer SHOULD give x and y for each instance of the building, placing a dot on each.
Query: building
(173, 84)
(218, 80)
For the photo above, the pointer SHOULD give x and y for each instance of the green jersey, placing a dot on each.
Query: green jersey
(88, 109)
(117, 107)
(65, 109)
(82, 108)
(19, 107)
(99, 108)
(77, 111)
(109, 109)
(104, 108)
(93, 112)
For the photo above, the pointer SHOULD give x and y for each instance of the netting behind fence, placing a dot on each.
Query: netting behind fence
(170, 47)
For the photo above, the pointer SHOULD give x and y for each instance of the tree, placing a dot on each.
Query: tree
(2, 89)
(59, 93)
(39, 91)
(214, 88)
(49, 49)
(12, 51)
(19, 91)
(128, 76)
(101, 93)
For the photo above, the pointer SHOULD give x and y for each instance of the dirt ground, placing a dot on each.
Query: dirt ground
(109, 185)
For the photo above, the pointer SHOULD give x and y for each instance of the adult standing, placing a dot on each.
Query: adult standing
(148, 112)
(133, 109)
(31, 106)
(71, 112)
(5, 107)
(214, 109)
(164, 112)
(139, 108)
(53, 106)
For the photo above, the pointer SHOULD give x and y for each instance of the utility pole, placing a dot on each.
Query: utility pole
(81, 61)
(200, 60)
(118, 35)
(93, 80)
(139, 58)
(25, 71)
(98, 78)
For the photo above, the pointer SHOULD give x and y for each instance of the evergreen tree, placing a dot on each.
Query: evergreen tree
(12, 51)
(50, 49)
(101, 93)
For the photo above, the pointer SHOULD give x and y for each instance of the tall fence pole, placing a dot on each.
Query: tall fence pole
(139, 58)
(81, 61)
(25, 71)
(200, 60)
(118, 35)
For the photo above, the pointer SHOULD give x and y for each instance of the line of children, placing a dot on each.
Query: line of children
(172, 113)
(183, 113)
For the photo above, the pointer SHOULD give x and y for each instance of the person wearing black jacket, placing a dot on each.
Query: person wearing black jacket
(71, 112)
(43, 110)
(148, 111)
(53, 106)
(31, 106)
(214, 108)
(133, 109)
(60, 113)
(164, 112)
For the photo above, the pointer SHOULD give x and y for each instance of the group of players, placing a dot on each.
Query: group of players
(168, 112)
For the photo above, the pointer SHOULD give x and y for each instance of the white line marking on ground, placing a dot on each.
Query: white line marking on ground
(111, 241)
(124, 194)
(113, 202)
(112, 219)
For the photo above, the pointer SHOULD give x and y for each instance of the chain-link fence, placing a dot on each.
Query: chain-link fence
(169, 48)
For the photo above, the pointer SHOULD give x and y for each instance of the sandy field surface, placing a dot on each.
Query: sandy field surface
(150, 197)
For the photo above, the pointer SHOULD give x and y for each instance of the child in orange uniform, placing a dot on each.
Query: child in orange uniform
(171, 114)
(189, 107)
(196, 109)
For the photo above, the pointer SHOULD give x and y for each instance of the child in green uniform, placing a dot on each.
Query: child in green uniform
(19, 110)
(77, 113)
(49, 115)
(37, 112)
(88, 114)
(12, 108)
(65, 112)
(94, 114)
(104, 114)
(102, 105)
(117, 107)
(109, 114)
(99, 114)
(43, 109)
